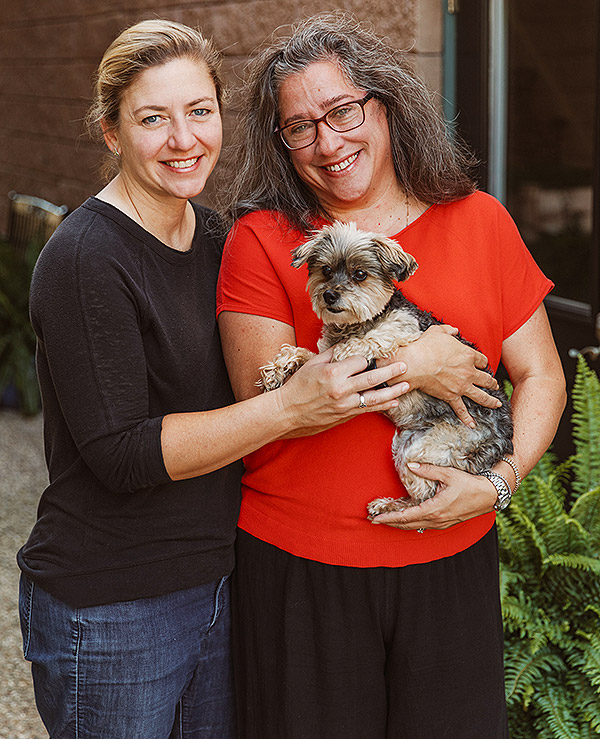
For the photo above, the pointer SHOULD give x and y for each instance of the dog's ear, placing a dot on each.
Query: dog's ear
(301, 254)
(394, 260)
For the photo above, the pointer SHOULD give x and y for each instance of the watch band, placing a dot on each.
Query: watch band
(502, 488)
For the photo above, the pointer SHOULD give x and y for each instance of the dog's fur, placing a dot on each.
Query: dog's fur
(351, 286)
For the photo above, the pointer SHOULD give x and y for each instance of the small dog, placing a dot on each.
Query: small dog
(351, 286)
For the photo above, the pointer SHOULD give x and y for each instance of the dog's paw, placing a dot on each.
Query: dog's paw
(270, 377)
(288, 361)
(388, 505)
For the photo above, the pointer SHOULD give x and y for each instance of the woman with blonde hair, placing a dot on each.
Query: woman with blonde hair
(125, 577)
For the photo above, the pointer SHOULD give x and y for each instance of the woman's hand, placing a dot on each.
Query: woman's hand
(533, 364)
(460, 496)
(440, 365)
(324, 393)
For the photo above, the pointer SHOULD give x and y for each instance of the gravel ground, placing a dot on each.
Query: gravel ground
(22, 479)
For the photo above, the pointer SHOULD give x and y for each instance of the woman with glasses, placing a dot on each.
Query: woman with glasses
(345, 627)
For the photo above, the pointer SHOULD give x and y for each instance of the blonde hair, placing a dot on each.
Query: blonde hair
(146, 44)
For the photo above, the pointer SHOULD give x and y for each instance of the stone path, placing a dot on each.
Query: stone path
(22, 479)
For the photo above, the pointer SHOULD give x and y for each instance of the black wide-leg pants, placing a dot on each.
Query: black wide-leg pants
(326, 652)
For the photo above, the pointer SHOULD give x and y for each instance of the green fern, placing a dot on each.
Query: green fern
(550, 585)
(586, 428)
(525, 669)
(576, 561)
(586, 510)
(557, 718)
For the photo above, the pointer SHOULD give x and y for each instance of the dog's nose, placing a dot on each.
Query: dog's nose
(330, 297)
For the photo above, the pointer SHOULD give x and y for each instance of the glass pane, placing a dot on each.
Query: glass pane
(552, 82)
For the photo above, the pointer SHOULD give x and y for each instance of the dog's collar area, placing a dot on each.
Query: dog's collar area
(387, 308)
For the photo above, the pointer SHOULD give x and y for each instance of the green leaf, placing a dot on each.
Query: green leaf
(549, 540)
(560, 716)
(525, 669)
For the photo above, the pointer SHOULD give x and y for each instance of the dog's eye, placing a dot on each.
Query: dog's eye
(359, 275)
(327, 271)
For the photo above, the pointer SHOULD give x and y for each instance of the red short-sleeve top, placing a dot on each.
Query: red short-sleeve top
(308, 495)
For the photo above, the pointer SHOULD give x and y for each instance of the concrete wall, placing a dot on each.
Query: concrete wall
(49, 50)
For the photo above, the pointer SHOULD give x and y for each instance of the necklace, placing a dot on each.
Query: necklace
(407, 207)
(133, 205)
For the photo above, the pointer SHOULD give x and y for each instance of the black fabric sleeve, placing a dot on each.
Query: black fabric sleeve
(87, 311)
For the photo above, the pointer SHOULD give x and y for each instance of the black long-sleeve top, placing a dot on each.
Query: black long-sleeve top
(126, 334)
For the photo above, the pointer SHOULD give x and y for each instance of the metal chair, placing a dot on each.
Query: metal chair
(32, 221)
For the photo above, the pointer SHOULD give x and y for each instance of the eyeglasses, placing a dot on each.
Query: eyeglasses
(345, 117)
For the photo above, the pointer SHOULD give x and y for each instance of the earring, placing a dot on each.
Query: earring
(116, 152)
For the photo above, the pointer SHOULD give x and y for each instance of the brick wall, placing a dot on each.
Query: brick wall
(49, 50)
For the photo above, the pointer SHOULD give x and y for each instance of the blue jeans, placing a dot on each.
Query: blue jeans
(153, 668)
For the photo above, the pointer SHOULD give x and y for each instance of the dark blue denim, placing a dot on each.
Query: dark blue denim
(153, 668)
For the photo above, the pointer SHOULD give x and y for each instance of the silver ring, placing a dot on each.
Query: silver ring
(361, 401)
(420, 531)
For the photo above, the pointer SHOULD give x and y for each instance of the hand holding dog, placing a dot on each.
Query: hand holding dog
(460, 496)
(323, 393)
(445, 368)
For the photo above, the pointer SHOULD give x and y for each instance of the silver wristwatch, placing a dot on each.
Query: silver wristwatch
(502, 489)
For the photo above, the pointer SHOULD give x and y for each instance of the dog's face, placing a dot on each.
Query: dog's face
(351, 273)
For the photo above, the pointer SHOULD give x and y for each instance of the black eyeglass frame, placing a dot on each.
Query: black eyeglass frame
(323, 119)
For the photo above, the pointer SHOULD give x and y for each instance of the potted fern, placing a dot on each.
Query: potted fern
(550, 585)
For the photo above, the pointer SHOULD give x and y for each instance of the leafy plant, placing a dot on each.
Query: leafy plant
(17, 340)
(550, 585)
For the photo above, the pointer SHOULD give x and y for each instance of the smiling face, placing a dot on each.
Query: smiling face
(169, 133)
(347, 171)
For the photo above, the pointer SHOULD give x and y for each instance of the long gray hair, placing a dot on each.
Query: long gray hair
(429, 164)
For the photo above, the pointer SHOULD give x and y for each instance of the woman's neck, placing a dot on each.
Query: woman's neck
(171, 221)
(388, 215)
